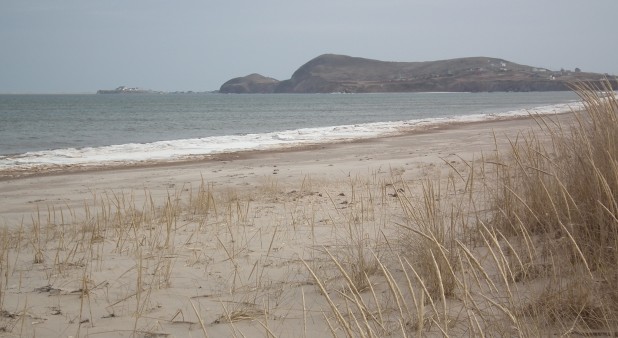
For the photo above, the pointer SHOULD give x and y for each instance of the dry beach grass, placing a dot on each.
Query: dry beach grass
(493, 229)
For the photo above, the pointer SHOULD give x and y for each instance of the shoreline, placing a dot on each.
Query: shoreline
(406, 153)
(58, 169)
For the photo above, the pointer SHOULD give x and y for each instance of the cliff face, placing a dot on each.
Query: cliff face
(339, 73)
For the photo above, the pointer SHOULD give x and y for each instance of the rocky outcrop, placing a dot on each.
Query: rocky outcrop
(253, 83)
(339, 73)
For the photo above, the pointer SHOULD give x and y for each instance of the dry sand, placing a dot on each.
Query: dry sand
(107, 257)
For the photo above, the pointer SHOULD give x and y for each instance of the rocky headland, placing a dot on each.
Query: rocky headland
(330, 73)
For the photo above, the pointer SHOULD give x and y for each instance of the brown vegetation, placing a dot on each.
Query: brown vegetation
(520, 243)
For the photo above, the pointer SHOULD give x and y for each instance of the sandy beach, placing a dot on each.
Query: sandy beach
(216, 247)
(408, 153)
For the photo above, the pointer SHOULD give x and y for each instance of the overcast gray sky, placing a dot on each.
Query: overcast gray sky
(81, 46)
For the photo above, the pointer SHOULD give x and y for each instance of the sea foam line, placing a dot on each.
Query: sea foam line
(191, 148)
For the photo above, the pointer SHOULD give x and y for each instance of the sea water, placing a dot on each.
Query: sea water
(46, 131)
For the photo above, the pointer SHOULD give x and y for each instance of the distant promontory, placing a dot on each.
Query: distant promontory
(330, 73)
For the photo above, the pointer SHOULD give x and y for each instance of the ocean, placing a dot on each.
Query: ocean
(52, 131)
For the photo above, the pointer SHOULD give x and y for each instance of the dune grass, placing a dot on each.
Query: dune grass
(522, 242)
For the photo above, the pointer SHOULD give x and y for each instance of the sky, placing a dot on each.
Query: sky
(77, 46)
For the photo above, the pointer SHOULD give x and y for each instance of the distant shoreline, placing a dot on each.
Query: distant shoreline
(123, 90)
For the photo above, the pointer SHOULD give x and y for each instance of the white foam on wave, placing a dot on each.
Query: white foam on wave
(191, 148)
